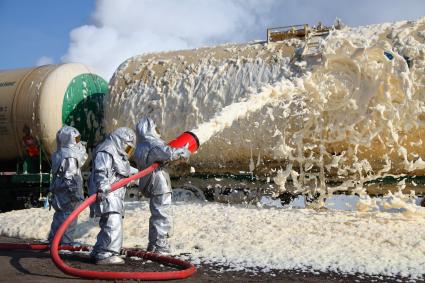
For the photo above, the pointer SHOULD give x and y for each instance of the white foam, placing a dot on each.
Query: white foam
(251, 237)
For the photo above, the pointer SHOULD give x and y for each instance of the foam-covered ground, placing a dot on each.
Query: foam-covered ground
(261, 237)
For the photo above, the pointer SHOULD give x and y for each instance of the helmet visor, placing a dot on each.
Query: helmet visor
(129, 150)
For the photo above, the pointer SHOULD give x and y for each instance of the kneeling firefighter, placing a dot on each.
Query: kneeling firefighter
(157, 185)
(110, 164)
(67, 183)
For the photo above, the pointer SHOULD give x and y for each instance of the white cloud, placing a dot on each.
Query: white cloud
(121, 29)
(44, 60)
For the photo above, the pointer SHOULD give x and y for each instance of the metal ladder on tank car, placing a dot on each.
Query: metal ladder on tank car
(313, 45)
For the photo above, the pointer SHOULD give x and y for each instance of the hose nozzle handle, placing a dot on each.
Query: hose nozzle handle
(187, 138)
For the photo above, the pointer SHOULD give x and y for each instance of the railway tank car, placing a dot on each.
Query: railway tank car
(34, 104)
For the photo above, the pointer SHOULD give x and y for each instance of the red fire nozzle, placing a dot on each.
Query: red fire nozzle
(186, 138)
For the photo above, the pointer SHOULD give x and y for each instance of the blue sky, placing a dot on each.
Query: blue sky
(104, 33)
(32, 29)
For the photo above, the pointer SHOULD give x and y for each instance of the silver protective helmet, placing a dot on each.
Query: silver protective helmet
(69, 144)
(125, 140)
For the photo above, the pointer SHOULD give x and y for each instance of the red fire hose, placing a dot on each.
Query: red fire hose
(185, 138)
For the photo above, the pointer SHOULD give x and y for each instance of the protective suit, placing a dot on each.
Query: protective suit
(67, 183)
(110, 164)
(157, 185)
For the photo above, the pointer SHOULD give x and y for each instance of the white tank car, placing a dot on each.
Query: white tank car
(38, 101)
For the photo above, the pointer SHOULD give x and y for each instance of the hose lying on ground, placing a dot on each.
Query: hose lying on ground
(188, 270)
